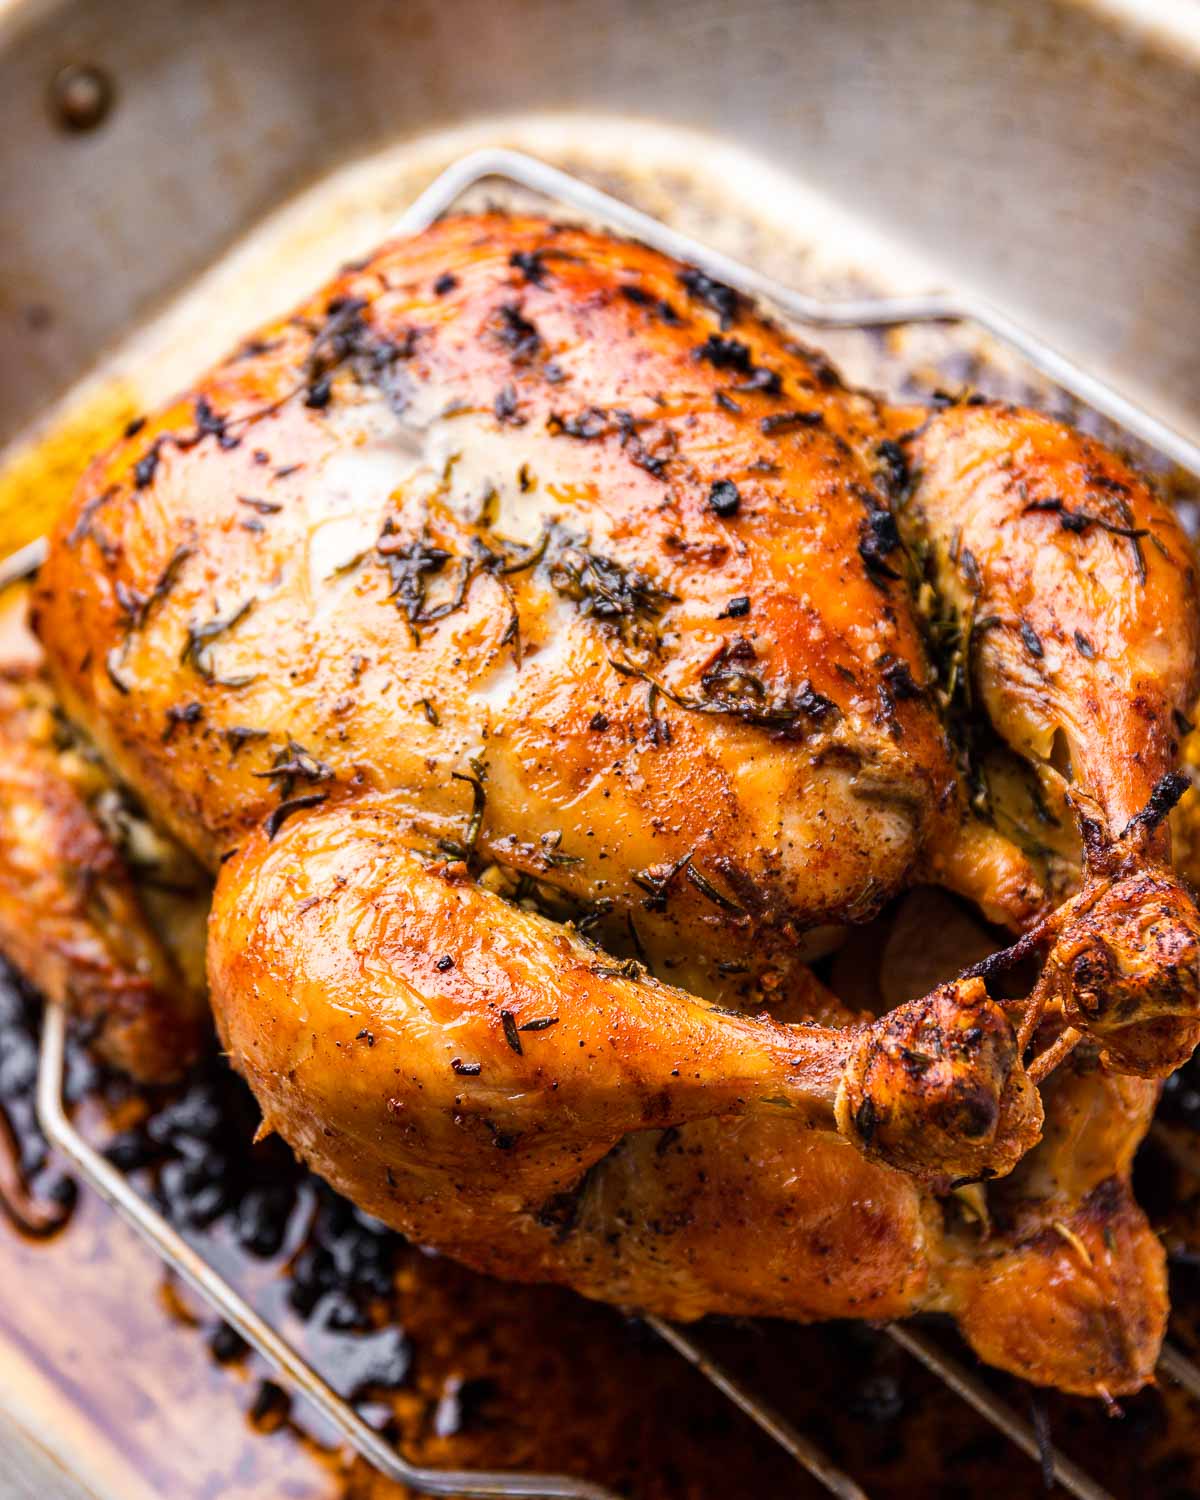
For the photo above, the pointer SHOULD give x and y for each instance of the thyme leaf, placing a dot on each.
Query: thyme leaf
(745, 697)
(197, 646)
(475, 780)
(279, 815)
(508, 1022)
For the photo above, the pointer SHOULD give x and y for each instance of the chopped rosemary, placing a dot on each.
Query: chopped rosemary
(511, 1036)
(87, 514)
(475, 781)
(708, 890)
(627, 968)
(165, 582)
(112, 663)
(604, 589)
(292, 762)
(197, 646)
(743, 696)
(279, 815)
(238, 735)
(1078, 521)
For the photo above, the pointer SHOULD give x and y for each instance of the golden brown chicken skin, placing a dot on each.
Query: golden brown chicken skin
(527, 577)
(71, 920)
(549, 445)
(504, 1091)
(1075, 592)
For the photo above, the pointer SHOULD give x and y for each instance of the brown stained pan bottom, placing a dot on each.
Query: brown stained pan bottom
(463, 1370)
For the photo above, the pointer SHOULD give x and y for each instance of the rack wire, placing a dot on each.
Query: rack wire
(293, 1370)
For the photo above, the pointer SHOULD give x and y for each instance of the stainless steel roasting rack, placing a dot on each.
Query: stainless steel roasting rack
(292, 1369)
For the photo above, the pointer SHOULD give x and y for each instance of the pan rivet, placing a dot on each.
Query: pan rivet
(81, 96)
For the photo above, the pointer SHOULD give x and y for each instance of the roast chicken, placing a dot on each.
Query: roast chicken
(553, 664)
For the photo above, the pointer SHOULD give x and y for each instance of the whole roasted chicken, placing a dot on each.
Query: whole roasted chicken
(554, 663)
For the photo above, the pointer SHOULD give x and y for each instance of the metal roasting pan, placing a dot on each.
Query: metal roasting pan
(171, 173)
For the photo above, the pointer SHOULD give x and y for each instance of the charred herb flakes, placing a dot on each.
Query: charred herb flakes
(318, 393)
(87, 514)
(260, 507)
(724, 498)
(733, 355)
(208, 422)
(726, 354)
(900, 682)
(878, 539)
(893, 469)
(505, 406)
(146, 466)
(531, 264)
(1033, 641)
(517, 334)
(591, 422)
(789, 421)
(237, 735)
(187, 714)
(112, 666)
(724, 300)
(626, 968)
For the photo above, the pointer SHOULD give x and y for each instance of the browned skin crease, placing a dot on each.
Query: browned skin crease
(502, 573)
(70, 918)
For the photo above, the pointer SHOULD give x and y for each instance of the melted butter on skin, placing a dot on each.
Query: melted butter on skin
(479, 460)
(350, 493)
(549, 647)
(385, 464)
(390, 464)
